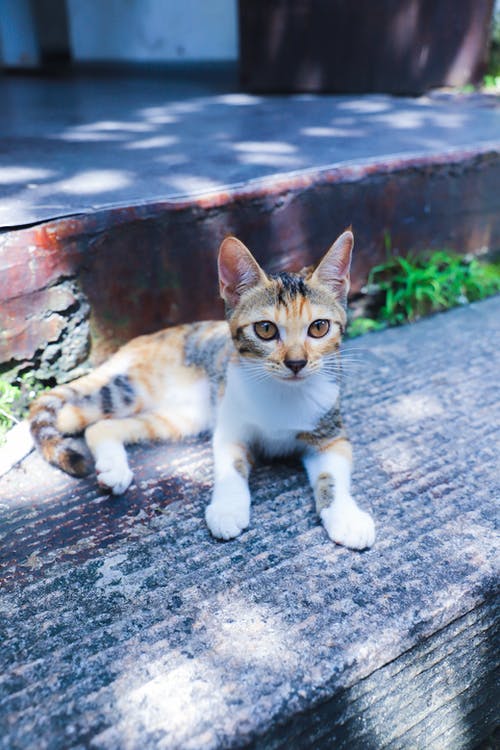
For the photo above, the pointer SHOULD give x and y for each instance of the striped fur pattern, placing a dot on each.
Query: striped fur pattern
(265, 381)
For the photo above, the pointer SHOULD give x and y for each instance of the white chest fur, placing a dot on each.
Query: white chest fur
(271, 412)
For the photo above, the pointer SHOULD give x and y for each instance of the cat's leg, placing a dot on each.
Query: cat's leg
(329, 473)
(107, 438)
(229, 511)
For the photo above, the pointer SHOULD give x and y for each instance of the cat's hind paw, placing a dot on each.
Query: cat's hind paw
(227, 521)
(349, 526)
(70, 420)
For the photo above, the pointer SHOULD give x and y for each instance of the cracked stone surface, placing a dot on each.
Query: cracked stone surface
(125, 625)
(48, 330)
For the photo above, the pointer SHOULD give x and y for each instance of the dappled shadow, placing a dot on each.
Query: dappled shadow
(152, 172)
(73, 144)
(60, 519)
(279, 636)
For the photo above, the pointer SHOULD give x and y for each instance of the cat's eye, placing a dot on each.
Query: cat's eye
(319, 328)
(265, 330)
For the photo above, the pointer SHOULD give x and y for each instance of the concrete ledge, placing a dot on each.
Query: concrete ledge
(125, 625)
(116, 190)
(144, 266)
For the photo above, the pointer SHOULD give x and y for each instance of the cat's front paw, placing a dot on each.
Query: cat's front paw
(349, 525)
(115, 477)
(111, 465)
(227, 521)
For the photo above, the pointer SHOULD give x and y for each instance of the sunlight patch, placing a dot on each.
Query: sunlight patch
(396, 459)
(106, 125)
(265, 158)
(94, 181)
(193, 184)
(332, 132)
(250, 634)
(159, 141)
(15, 211)
(413, 408)
(174, 703)
(365, 106)
(18, 443)
(188, 700)
(238, 99)
(89, 137)
(404, 119)
(23, 174)
(269, 147)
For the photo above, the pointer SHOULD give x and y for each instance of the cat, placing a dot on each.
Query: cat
(265, 382)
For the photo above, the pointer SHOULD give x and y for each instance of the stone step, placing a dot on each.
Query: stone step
(125, 625)
(116, 192)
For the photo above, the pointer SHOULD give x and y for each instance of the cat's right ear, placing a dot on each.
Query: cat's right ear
(238, 270)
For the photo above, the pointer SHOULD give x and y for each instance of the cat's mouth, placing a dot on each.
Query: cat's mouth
(292, 378)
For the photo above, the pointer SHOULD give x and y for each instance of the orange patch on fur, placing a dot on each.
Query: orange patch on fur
(71, 419)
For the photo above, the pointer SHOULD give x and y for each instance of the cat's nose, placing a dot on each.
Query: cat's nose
(295, 365)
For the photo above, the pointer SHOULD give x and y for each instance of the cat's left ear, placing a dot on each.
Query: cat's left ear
(238, 271)
(333, 269)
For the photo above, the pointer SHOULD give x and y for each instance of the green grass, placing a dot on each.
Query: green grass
(15, 399)
(492, 82)
(406, 289)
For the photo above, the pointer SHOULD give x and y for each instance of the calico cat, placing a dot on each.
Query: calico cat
(265, 382)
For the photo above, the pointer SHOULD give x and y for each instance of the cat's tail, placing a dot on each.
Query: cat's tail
(70, 454)
(59, 417)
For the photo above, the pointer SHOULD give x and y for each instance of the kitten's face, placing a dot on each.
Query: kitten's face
(285, 326)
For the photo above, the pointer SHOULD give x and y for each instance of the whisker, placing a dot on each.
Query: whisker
(354, 348)
(345, 360)
(342, 360)
(344, 367)
(344, 363)
(341, 373)
(351, 359)
(257, 373)
(350, 355)
(351, 362)
(348, 364)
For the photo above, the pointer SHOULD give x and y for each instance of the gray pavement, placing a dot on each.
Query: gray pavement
(74, 144)
(125, 625)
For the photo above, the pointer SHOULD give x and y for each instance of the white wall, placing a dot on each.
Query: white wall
(153, 30)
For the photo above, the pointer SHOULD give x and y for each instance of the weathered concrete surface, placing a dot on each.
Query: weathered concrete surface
(124, 625)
